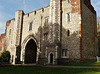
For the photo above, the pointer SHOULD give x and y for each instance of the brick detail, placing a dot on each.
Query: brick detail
(2, 42)
(76, 6)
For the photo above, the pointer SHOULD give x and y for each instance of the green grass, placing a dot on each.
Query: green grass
(85, 64)
(45, 70)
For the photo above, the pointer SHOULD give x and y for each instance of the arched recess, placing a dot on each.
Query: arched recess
(50, 58)
(30, 43)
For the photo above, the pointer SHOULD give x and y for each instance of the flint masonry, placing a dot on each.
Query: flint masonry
(62, 32)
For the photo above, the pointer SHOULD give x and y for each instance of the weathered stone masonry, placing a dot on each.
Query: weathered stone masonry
(63, 31)
(2, 39)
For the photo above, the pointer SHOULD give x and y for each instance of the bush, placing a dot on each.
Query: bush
(0, 59)
(5, 56)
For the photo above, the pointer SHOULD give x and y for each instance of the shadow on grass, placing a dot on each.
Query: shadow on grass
(84, 64)
(45, 70)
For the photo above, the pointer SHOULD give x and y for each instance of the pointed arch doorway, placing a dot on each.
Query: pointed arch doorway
(51, 58)
(30, 52)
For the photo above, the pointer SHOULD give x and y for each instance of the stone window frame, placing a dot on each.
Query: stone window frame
(9, 32)
(30, 28)
(46, 21)
(65, 53)
(68, 17)
(45, 36)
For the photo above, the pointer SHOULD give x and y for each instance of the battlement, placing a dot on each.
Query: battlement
(9, 21)
(36, 12)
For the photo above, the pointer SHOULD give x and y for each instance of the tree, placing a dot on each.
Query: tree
(0, 59)
(5, 56)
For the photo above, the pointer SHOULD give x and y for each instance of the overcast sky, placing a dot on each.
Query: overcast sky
(9, 7)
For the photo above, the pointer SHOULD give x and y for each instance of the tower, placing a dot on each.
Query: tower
(18, 33)
(55, 20)
(18, 26)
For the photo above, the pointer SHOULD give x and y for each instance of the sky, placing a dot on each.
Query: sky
(9, 7)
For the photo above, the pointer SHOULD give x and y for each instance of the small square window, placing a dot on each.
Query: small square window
(64, 52)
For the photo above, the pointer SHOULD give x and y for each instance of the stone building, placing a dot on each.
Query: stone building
(98, 35)
(2, 39)
(62, 32)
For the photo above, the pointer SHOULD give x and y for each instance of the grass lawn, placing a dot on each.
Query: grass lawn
(45, 70)
(85, 64)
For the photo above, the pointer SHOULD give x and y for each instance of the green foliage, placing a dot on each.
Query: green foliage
(0, 59)
(46, 70)
(5, 56)
(83, 64)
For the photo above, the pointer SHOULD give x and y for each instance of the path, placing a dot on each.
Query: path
(54, 66)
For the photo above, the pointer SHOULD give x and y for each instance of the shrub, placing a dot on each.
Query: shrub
(0, 59)
(5, 56)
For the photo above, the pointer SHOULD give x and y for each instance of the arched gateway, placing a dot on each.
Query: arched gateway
(29, 52)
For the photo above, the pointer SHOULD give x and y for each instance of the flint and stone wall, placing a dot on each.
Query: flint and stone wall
(81, 43)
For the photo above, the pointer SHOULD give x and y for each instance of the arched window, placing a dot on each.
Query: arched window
(30, 26)
(68, 17)
(10, 32)
(68, 33)
(46, 21)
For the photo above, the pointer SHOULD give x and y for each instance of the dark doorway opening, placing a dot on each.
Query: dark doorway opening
(18, 53)
(30, 52)
(51, 58)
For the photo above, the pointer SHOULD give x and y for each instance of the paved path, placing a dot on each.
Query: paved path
(55, 66)
(59, 66)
